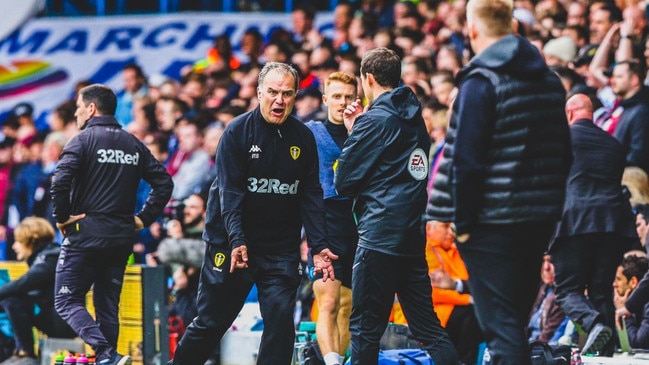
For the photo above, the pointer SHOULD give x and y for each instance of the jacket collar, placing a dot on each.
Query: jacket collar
(107, 120)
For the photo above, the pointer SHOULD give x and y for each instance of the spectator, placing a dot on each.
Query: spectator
(559, 51)
(601, 20)
(308, 105)
(134, 86)
(29, 300)
(625, 119)
(451, 292)
(636, 181)
(627, 278)
(187, 164)
(23, 112)
(547, 316)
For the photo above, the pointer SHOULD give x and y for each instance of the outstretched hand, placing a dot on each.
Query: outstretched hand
(322, 264)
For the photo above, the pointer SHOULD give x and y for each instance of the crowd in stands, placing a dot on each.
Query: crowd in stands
(597, 47)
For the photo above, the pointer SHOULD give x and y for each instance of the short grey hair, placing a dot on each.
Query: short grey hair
(282, 68)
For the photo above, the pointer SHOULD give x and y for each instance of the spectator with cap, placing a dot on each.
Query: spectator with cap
(23, 112)
(308, 105)
(560, 51)
(584, 57)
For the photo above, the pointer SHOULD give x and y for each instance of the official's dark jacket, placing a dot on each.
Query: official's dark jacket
(98, 174)
(594, 199)
(384, 165)
(38, 281)
(507, 151)
(266, 187)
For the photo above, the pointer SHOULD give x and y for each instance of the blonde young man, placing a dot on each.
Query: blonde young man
(334, 297)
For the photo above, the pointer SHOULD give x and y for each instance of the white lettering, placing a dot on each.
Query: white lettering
(274, 183)
(267, 186)
(117, 157)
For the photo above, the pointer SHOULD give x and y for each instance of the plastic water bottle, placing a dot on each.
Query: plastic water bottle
(297, 314)
(82, 360)
(70, 360)
(486, 358)
(575, 359)
(58, 360)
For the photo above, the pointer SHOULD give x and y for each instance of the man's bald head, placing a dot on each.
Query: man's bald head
(578, 107)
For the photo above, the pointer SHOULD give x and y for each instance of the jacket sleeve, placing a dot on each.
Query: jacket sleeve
(476, 118)
(64, 175)
(638, 329)
(450, 296)
(38, 276)
(230, 173)
(639, 297)
(360, 152)
(161, 187)
(312, 204)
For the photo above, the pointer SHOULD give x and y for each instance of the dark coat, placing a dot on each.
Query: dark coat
(595, 202)
(384, 165)
(38, 281)
(98, 174)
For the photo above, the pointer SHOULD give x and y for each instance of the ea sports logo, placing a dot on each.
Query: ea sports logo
(418, 164)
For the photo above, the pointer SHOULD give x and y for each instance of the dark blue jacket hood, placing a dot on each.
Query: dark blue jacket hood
(512, 55)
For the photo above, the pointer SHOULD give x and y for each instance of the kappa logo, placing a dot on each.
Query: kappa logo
(219, 260)
(254, 151)
(295, 152)
(418, 164)
(65, 290)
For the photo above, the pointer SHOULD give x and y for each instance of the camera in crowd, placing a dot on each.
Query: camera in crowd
(172, 211)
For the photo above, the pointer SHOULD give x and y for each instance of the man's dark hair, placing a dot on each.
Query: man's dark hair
(635, 68)
(614, 13)
(136, 68)
(633, 265)
(642, 209)
(309, 11)
(102, 96)
(384, 64)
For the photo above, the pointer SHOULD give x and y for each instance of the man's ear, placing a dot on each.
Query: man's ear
(92, 110)
(633, 282)
(473, 31)
(370, 79)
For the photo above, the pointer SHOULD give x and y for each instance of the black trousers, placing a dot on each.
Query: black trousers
(465, 334)
(583, 262)
(76, 272)
(504, 262)
(377, 277)
(221, 296)
(20, 312)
